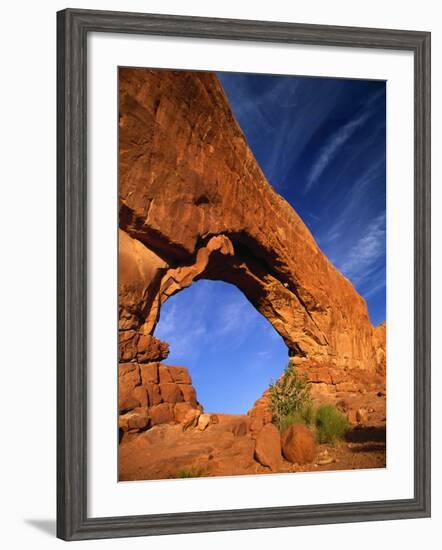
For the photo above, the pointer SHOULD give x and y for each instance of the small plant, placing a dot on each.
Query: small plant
(191, 472)
(306, 416)
(290, 399)
(331, 424)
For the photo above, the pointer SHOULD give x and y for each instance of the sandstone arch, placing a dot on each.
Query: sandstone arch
(195, 204)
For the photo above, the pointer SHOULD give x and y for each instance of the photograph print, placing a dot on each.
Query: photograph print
(252, 274)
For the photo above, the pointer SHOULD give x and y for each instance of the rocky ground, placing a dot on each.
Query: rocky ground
(228, 448)
(164, 432)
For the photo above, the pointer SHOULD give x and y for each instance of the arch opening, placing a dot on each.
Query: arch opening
(231, 350)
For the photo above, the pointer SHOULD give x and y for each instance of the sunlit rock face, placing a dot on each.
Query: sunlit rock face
(195, 204)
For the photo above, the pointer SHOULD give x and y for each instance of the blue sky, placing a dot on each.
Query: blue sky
(321, 144)
(232, 352)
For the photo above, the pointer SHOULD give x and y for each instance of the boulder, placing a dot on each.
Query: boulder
(134, 420)
(298, 444)
(362, 416)
(260, 414)
(127, 402)
(149, 373)
(181, 410)
(268, 447)
(191, 419)
(204, 421)
(161, 414)
(171, 392)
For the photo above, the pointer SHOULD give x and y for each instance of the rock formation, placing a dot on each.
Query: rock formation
(194, 204)
(154, 393)
(298, 444)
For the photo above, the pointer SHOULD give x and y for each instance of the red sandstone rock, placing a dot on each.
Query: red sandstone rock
(139, 272)
(194, 164)
(140, 394)
(165, 451)
(149, 373)
(171, 393)
(164, 374)
(181, 410)
(127, 345)
(180, 375)
(128, 376)
(238, 425)
(260, 414)
(337, 376)
(189, 394)
(346, 387)
(203, 421)
(127, 403)
(191, 419)
(268, 447)
(351, 417)
(380, 344)
(362, 416)
(150, 349)
(134, 420)
(343, 405)
(298, 444)
(256, 424)
(153, 392)
(161, 414)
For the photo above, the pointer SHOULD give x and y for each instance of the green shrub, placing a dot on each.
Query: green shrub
(331, 424)
(305, 416)
(308, 414)
(191, 472)
(290, 398)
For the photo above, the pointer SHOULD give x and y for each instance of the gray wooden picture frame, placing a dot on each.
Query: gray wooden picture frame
(73, 27)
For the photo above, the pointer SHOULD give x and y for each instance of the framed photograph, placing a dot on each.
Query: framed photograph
(243, 274)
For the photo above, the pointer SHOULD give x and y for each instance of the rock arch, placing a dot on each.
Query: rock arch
(195, 204)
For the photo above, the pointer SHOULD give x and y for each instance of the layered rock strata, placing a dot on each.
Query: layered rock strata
(154, 393)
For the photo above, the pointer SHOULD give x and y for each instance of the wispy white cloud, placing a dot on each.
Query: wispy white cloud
(367, 251)
(246, 108)
(375, 288)
(332, 147)
(206, 318)
(353, 201)
(181, 330)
